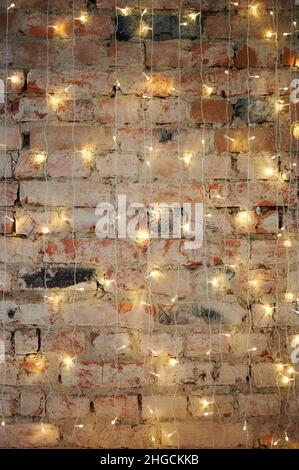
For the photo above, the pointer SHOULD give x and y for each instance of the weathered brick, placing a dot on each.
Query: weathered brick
(87, 194)
(220, 405)
(10, 138)
(26, 342)
(124, 407)
(212, 54)
(32, 403)
(65, 407)
(29, 435)
(209, 111)
(165, 407)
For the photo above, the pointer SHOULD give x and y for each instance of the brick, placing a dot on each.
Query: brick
(165, 27)
(63, 138)
(88, 194)
(105, 313)
(5, 281)
(264, 140)
(32, 403)
(219, 27)
(211, 54)
(124, 407)
(8, 193)
(264, 375)
(36, 25)
(5, 166)
(165, 407)
(6, 222)
(61, 407)
(8, 401)
(249, 194)
(259, 404)
(107, 436)
(256, 54)
(29, 435)
(123, 109)
(168, 54)
(18, 250)
(57, 164)
(85, 81)
(204, 435)
(26, 342)
(10, 138)
(107, 166)
(63, 342)
(199, 345)
(128, 54)
(252, 167)
(209, 111)
(250, 222)
(220, 405)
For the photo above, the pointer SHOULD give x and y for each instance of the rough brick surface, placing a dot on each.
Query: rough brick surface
(131, 343)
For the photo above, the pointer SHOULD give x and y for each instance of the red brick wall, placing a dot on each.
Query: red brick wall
(207, 361)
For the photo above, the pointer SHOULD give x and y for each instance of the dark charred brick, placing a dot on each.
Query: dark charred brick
(60, 277)
(164, 27)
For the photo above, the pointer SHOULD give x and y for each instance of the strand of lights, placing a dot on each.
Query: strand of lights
(11, 6)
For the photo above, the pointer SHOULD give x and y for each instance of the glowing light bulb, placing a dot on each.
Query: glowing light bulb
(229, 138)
(280, 367)
(3, 423)
(289, 296)
(40, 158)
(42, 428)
(291, 370)
(124, 11)
(149, 148)
(79, 426)
(268, 309)
(296, 131)
(236, 4)
(252, 138)
(245, 426)
(171, 433)
(208, 216)
(184, 24)
(286, 437)
(252, 349)
(12, 5)
(173, 361)
(155, 274)
(174, 299)
(253, 283)
(215, 282)
(155, 374)
(68, 361)
(45, 230)
(287, 243)
(108, 282)
(146, 76)
(82, 18)
(121, 347)
(269, 171)
(15, 79)
(285, 380)
(114, 421)
(194, 15)
(187, 158)
(269, 34)
(207, 90)
(153, 439)
(271, 12)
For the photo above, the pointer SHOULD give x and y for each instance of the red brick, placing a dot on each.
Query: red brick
(36, 25)
(124, 407)
(208, 111)
(211, 54)
(18, 250)
(11, 137)
(32, 403)
(164, 406)
(26, 342)
(67, 137)
(256, 55)
(8, 193)
(264, 140)
(82, 81)
(168, 54)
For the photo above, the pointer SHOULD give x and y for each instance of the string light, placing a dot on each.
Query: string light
(125, 11)
(170, 434)
(12, 5)
(289, 296)
(296, 130)
(252, 349)
(187, 158)
(245, 425)
(15, 79)
(40, 158)
(82, 18)
(124, 346)
(207, 90)
(45, 230)
(68, 361)
(229, 138)
(79, 426)
(287, 243)
(113, 422)
(3, 423)
(173, 361)
(286, 437)
(194, 15)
